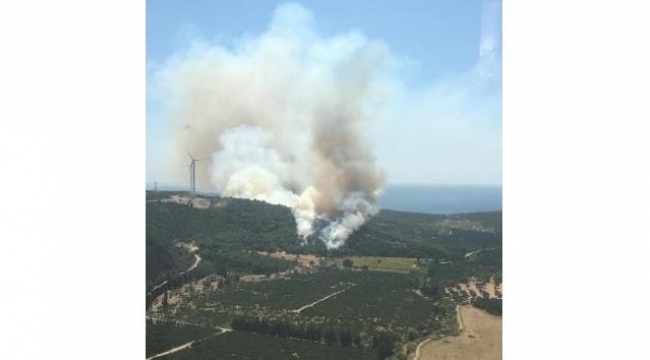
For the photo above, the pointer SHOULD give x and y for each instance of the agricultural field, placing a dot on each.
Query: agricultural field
(381, 300)
(285, 293)
(162, 336)
(244, 345)
(365, 302)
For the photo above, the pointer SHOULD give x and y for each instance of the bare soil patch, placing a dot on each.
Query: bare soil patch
(480, 339)
(490, 287)
(201, 203)
(177, 296)
(188, 245)
(178, 199)
(258, 277)
(197, 202)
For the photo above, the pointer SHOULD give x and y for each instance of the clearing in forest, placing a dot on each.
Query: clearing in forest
(304, 260)
(379, 263)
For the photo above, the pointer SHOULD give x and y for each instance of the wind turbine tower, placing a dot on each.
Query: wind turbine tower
(193, 173)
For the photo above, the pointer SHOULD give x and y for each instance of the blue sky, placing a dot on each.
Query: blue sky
(444, 127)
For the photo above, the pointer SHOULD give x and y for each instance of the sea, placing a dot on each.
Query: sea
(441, 199)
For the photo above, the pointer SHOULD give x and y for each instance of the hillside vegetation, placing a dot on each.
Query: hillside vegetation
(396, 280)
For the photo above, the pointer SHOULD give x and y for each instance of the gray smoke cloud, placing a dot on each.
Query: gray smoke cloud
(283, 118)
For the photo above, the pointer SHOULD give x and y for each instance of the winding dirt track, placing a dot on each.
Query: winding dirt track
(417, 349)
(197, 260)
(460, 327)
(460, 320)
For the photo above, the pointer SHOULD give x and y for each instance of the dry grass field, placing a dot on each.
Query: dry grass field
(480, 339)
(378, 263)
(304, 260)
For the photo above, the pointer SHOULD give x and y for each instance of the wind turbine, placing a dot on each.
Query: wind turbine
(193, 172)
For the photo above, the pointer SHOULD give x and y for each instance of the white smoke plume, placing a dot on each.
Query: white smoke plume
(283, 118)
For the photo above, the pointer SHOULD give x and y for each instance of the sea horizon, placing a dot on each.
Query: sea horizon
(441, 198)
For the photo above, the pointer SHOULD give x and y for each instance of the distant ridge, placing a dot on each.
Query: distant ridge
(427, 199)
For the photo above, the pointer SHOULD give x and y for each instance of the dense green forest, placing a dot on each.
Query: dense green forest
(450, 237)
(230, 223)
(493, 306)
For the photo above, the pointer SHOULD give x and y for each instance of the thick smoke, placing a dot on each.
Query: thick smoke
(282, 118)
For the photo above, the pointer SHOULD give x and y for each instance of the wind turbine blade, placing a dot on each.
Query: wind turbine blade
(190, 155)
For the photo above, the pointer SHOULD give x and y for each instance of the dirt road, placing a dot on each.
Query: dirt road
(189, 344)
(317, 301)
(171, 351)
(419, 348)
(157, 287)
(191, 247)
(197, 260)
(460, 320)
(476, 252)
(222, 330)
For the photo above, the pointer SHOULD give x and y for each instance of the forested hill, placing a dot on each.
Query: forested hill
(256, 225)
(226, 225)
(395, 233)
(229, 222)
(225, 230)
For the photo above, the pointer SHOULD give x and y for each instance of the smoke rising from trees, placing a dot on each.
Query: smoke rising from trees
(283, 118)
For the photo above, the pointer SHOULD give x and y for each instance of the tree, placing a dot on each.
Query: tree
(356, 339)
(415, 282)
(329, 335)
(165, 301)
(430, 290)
(313, 332)
(384, 341)
(346, 337)
(431, 269)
